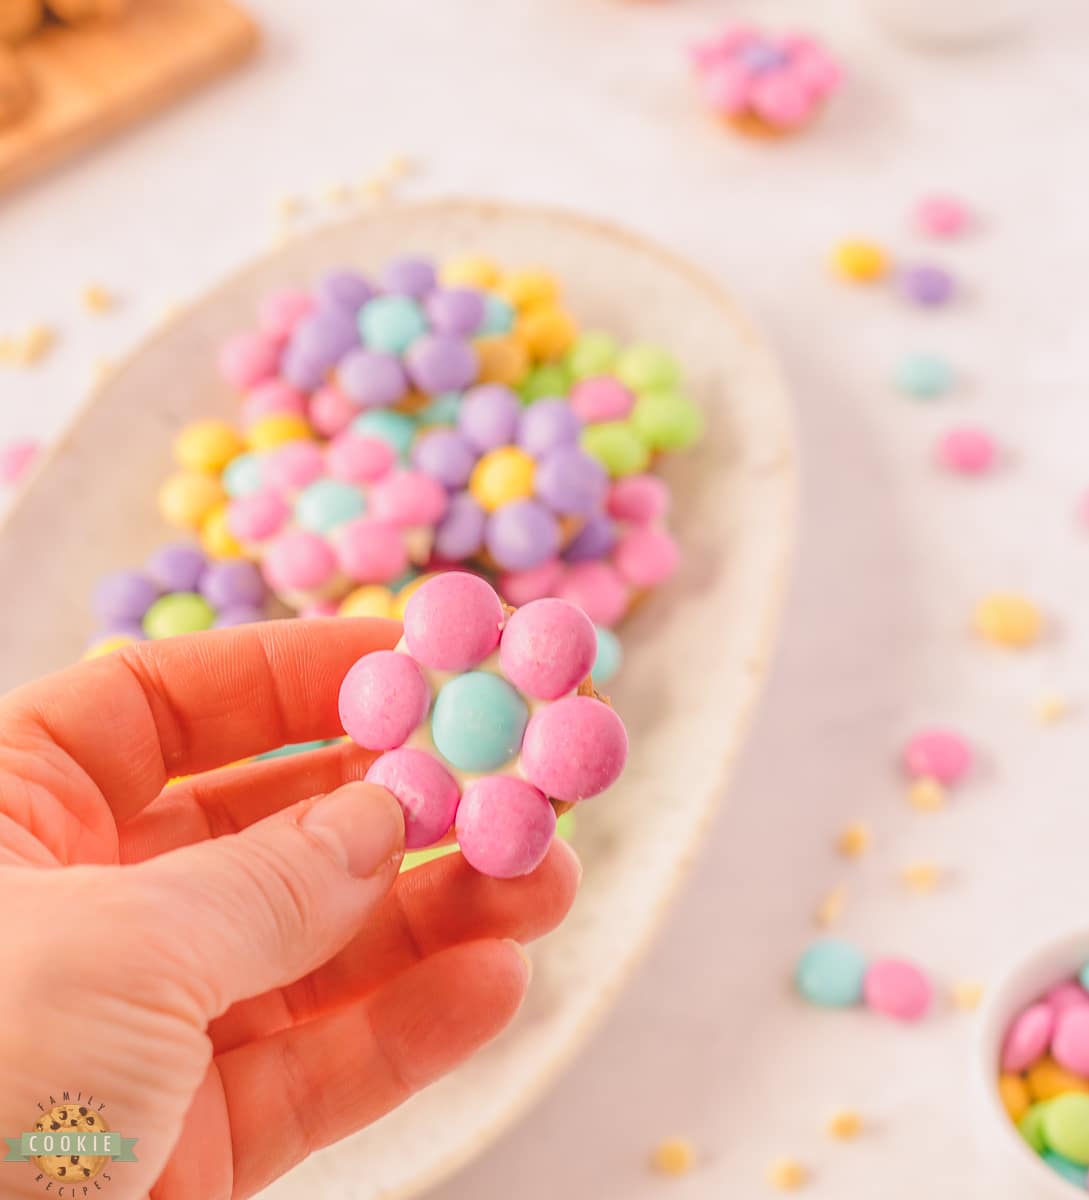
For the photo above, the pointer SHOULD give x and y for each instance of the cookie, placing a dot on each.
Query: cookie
(71, 1118)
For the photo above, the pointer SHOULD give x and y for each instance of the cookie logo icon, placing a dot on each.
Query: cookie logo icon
(71, 1168)
(70, 1145)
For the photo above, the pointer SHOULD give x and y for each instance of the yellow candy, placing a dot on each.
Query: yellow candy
(844, 1125)
(787, 1174)
(186, 499)
(502, 476)
(108, 646)
(207, 446)
(548, 332)
(368, 601)
(861, 262)
(276, 429)
(1008, 620)
(1014, 1095)
(471, 270)
(529, 289)
(674, 1156)
(501, 359)
(1047, 1079)
(407, 592)
(216, 538)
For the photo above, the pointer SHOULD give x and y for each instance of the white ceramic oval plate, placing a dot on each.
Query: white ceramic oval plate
(695, 652)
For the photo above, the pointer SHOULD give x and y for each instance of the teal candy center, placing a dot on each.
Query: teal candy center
(391, 323)
(395, 428)
(478, 721)
(326, 504)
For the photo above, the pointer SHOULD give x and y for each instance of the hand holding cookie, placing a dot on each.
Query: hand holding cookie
(236, 968)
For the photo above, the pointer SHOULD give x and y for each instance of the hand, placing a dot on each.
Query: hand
(231, 964)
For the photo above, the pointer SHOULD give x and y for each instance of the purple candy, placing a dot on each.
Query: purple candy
(238, 614)
(926, 285)
(594, 541)
(460, 533)
(345, 289)
(409, 277)
(546, 424)
(232, 584)
(455, 310)
(302, 370)
(326, 335)
(372, 378)
(569, 481)
(439, 362)
(446, 456)
(522, 535)
(489, 416)
(177, 567)
(124, 596)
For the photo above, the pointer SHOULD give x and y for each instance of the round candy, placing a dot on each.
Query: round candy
(460, 533)
(638, 498)
(457, 311)
(302, 369)
(216, 539)
(102, 646)
(186, 498)
(666, 420)
(609, 656)
(1027, 1038)
(177, 567)
(501, 360)
(643, 367)
(498, 315)
(594, 540)
(501, 477)
(1065, 1125)
(271, 398)
(504, 826)
(396, 428)
(408, 498)
(425, 789)
(547, 648)
(276, 430)
(1030, 1127)
(1046, 1080)
(570, 481)
(370, 551)
(646, 556)
(372, 378)
(941, 216)
(16, 458)
(529, 289)
(1014, 1094)
(547, 331)
(371, 600)
(470, 270)
(258, 516)
(1070, 1043)
(178, 613)
(967, 451)
(598, 589)
(234, 584)
(355, 457)
(238, 614)
(383, 698)
(207, 446)
(1010, 621)
(478, 719)
(244, 475)
(441, 410)
(521, 535)
(593, 353)
(601, 398)
(897, 989)
(830, 974)
(1069, 1171)
(292, 466)
(1067, 995)
(328, 503)
(446, 456)
(617, 446)
(547, 425)
(520, 587)
(248, 359)
(923, 375)
(939, 754)
(321, 340)
(124, 596)
(859, 261)
(344, 289)
(280, 312)
(926, 285)
(410, 277)
(574, 748)
(391, 323)
(549, 379)
(489, 416)
(299, 561)
(453, 621)
(331, 411)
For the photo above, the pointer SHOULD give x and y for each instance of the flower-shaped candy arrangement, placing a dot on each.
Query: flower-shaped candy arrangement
(486, 721)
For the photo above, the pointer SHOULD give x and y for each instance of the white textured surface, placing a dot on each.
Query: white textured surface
(586, 103)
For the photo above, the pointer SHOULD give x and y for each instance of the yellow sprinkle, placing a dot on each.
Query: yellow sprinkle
(96, 299)
(170, 311)
(831, 907)
(787, 1174)
(288, 207)
(103, 369)
(1008, 620)
(33, 345)
(860, 262)
(1049, 710)
(373, 189)
(8, 350)
(927, 795)
(966, 995)
(922, 877)
(397, 167)
(854, 841)
(674, 1156)
(337, 193)
(844, 1125)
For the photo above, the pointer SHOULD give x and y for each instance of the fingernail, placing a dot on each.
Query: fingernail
(527, 962)
(362, 823)
(563, 847)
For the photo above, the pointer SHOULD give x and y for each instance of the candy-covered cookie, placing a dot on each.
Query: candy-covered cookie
(486, 720)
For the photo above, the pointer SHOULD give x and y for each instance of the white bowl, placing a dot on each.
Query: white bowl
(1018, 1174)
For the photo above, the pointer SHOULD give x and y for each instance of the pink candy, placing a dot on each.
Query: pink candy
(1068, 994)
(1028, 1038)
(290, 467)
(256, 517)
(453, 622)
(353, 457)
(16, 458)
(574, 748)
(409, 498)
(425, 789)
(646, 557)
(639, 499)
(897, 989)
(548, 648)
(282, 311)
(298, 561)
(598, 589)
(249, 359)
(504, 826)
(384, 697)
(272, 398)
(601, 399)
(370, 551)
(1070, 1042)
(967, 451)
(941, 216)
(937, 754)
(520, 587)
(331, 411)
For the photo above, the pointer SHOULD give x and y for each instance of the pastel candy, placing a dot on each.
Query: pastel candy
(370, 551)
(646, 557)
(1028, 1038)
(383, 698)
(408, 498)
(504, 826)
(124, 596)
(547, 648)
(1065, 1126)
(372, 378)
(1068, 994)
(601, 399)
(1070, 1042)
(244, 475)
(453, 622)
(574, 748)
(897, 989)
(666, 420)
(398, 429)
(233, 584)
(257, 516)
(478, 720)
(177, 567)
(609, 656)
(270, 398)
(830, 974)
(391, 323)
(207, 446)
(522, 535)
(248, 359)
(344, 289)
(458, 310)
(548, 424)
(594, 540)
(645, 366)
(446, 456)
(460, 533)
(298, 561)
(520, 587)
(489, 416)
(357, 457)
(592, 354)
(441, 362)
(280, 312)
(570, 481)
(410, 276)
(425, 789)
(638, 498)
(327, 503)
(939, 754)
(292, 466)
(617, 446)
(331, 411)
(178, 613)
(598, 589)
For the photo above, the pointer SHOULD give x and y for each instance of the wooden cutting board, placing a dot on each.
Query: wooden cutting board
(92, 80)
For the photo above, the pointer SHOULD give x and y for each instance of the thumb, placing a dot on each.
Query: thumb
(258, 909)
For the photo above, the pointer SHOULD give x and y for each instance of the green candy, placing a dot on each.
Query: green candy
(550, 379)
(617, 446)
(180, 612)
(666, 420)
(645, 366)
(923, 375)
(396, 429)
(1066, 1127)
(1030, 1128)
(592, 354)
(1065, 1168)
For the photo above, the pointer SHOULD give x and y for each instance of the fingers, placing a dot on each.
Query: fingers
(229, 800)
(261, 908)
(301, 1089)
(184, 705)
(432, 908)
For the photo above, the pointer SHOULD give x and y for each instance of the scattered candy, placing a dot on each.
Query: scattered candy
(941, 216)
(831, 973)
(967, 451)
(927, 286)
(927, 795)
(844, 1125)
(830, 909)
(97, 299)
(787, 1174)
(860, 262)
(921, 878)
(1008, 620)
(923, 375)
(897, 989)
(853, 841)
(938, 754)
(674, 1156)
(1049, 710)
(966, 995)
(16, 459)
